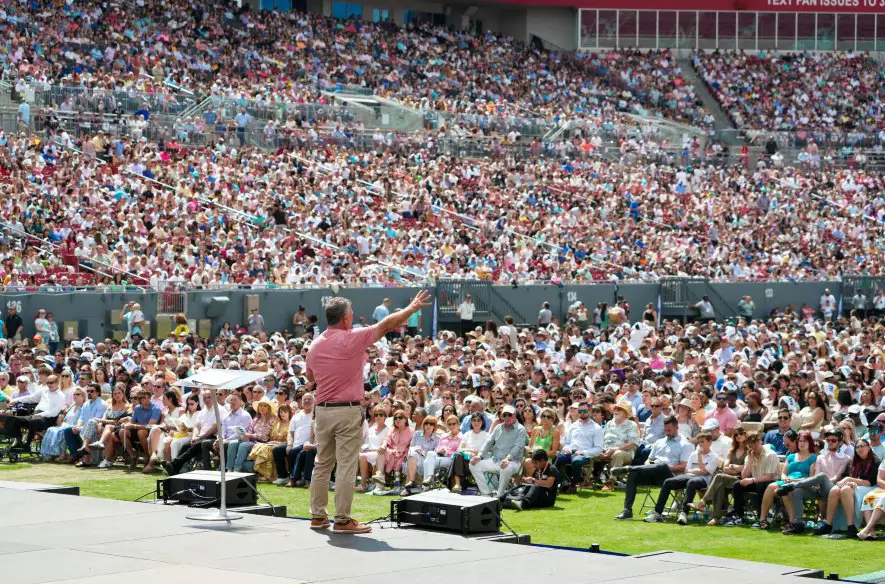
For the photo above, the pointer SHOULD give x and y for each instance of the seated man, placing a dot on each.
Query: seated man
(583, 442)
(702, 464)
(50, 401)
(830, 466)
(94, 407)
(760, 469)
(202, 438)
(668, 457)
(501, 453)
(775, 437)
(652, 430)
(144, 415)
(538, 490)
(620, 440)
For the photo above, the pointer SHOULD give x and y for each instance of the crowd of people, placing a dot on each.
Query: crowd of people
(788, 409)
(274, 58)
(774, 91)
(135, 213)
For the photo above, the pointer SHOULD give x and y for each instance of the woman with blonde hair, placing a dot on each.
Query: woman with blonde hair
(258, 432)
(544, 436)
(262, 453)
(373, 436)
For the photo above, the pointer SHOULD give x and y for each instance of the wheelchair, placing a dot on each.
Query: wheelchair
(16, 454)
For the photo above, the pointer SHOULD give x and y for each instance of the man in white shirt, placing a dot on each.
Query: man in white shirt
(827, 305)
(465, 312)
(721, 443)
(699, 470)
(296, 442)
(583, 442)
(49, 400)
(202, 438)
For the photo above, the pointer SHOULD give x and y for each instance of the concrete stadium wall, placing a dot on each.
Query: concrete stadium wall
(92, 311)
(555, 25)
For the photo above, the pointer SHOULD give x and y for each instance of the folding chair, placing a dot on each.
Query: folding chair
(674, 502)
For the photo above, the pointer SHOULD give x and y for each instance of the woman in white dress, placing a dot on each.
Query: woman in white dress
(161, 433)
(373, 436)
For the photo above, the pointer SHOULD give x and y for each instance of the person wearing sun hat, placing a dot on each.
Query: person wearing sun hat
(620, 440)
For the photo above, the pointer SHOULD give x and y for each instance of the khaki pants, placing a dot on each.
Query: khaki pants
(339, 434)
(622, 458)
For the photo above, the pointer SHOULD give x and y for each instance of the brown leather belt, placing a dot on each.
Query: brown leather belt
(334, 404)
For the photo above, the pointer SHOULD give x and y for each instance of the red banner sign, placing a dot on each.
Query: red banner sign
(847, 6)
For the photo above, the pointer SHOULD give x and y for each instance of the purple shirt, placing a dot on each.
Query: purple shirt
(240, 418)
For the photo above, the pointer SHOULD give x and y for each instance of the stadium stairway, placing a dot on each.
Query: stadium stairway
(723, 123)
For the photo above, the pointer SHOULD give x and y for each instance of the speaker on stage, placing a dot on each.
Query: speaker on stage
(443, 510)
(204, 487)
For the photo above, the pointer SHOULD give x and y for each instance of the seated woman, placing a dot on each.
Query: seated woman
(756, 411)
(262, 453)
(157, 437)
(117, 414)
(53, 446)
(873, 507)
(258, 432)
(184, 428)
(546, 437)
(799, 466)
(427, 441)
(393, 450)
(442, 457)
(373, 437)
(719, 488)
(471, 443)
(861, 474)
(537, 490)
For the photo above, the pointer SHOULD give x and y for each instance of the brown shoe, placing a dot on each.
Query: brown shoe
(351, 527)
(319, 523)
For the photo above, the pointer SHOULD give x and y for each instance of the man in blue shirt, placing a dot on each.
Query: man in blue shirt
(94, 407)
(144, 416)
(668, 458)
(381, 311)
(775, 437)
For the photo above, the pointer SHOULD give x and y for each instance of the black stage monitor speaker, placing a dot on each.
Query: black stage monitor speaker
(443, 510)
(216, 306)
(204, 487)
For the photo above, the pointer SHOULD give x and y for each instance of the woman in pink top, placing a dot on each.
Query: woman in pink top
(394, 449)
(442, 457)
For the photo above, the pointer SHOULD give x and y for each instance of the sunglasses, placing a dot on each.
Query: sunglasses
(507, 414)
(399, 418)
(546, 416)
(655, 405)
(453, 424)
(861, 447)
(583, 411)
(381, 414)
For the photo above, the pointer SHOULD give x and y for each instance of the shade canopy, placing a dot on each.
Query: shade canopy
(219, 379)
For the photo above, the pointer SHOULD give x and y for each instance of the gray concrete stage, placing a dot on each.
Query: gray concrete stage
(50, 538)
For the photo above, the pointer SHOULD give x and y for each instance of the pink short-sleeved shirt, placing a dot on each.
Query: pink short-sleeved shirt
(727, 419)
(336, 360)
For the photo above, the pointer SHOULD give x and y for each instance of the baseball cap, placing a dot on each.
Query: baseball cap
(710, 425)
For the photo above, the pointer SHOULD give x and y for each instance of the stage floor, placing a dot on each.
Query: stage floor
(50, 538)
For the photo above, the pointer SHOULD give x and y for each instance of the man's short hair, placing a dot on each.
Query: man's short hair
(336, 310)
(671, 420)
(539, 455)
(754, 437)
(704, 437)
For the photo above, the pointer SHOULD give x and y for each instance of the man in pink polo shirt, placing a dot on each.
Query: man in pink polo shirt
(725, 416)
(335, 362)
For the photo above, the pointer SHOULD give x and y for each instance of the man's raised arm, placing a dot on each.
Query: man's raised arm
(396, 320)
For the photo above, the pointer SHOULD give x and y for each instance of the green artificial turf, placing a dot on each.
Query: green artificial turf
(576, 521)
